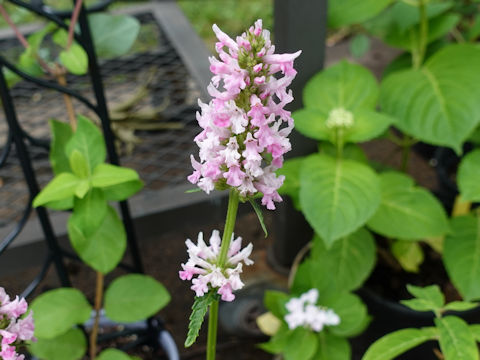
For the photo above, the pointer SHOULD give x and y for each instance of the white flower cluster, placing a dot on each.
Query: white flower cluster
(339, 118)
(303, 311)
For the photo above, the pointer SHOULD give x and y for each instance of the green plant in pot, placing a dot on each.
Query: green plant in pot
(428, 94)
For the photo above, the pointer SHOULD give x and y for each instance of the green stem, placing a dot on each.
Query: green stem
(405, 156)
(419, 53)
(212, 331)
(339, 141)
(233, 201)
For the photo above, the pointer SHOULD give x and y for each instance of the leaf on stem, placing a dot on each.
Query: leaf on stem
(199, 309)
(259, 213)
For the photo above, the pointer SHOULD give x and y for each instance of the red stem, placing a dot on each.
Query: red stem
(12, 25)
(73, 22)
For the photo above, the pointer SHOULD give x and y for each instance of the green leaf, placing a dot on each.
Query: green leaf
(75, 59)
(277, 342)
(71, 345)
(475, 330)
(10, 77)
(56, 311)
(82, 188)
(61, 134)
(90, 211)
(79, 165)
(352, 312)
(88, 140)
(65, 204)
(199, 309)
(343, 85)
(310, 274)
(106, 175)
(428, 298)
(60, 37)
(134, 297)
(468, 175)
(301, 344)
(259, 213)
(350, 152)
(291, 184)
(331, 347)
(61, 187)
(461, 255)
(396, 343)
(113, 35)
(337, 196)
(448, 112)
(359, 45)
(122, 191)
(113, 354)
(407, 212)
(275, 302)
(460, 306)
(456, 340)
(348, 12)
(103, 249)
(409, 254)
(348, 262)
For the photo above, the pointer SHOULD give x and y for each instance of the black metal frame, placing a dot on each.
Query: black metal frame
(22, 140)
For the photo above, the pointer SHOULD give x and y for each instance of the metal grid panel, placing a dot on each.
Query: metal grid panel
(162, 156)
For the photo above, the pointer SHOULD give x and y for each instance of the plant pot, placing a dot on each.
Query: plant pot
(388, 316)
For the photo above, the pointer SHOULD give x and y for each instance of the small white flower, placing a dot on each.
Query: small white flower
(339, 118)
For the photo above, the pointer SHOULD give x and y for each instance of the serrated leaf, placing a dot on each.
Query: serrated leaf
(56, 311)
(449, 111)
(90, 211)
(75, 59)
(456, 340)
(343, 85)
(396, 343)
(199, 309)
(461, 255)
(88, 140)
(113, 354)
(407, 212)
(113, 35)
(134, 297)
(61, 187)
(331, 347)
(258, 212)
(106, 175)
(71, 345)
(468, 175)
(301, 344)
(348, 262)
(103, 249)
(352, 312)
(348, 12)
(409, 254)
(61, 134)
(337, 196)
(460, 306)
(429, 298)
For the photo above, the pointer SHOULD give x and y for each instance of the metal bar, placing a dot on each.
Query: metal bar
(30, 178)
(299, 25)
(98, 89)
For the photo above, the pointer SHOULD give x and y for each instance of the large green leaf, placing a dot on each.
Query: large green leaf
(301, 344)
(122, 191)
(134, 297)
(90, 211)
(337, 196)
(311, 274)
(331, 347)
(437, 103)
(429, 298)
(468, 176)
(348, 12)
(88, 140)
(103, 249)
(456, 340)
(61, 134)
(407, 212)
(343, 85)
(61, 187)
(106, 175)
(71, 345)
(461, 255)
(348, 262)
(277, 342)
(56, 311)
(291, 185)
(396, 343)
(352, 312)
(113, 35)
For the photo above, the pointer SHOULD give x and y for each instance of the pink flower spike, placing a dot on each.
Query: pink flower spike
(224, 38)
